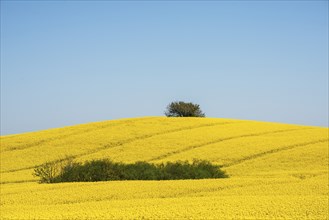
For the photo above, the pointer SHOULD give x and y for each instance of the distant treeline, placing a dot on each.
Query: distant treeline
(107, 170)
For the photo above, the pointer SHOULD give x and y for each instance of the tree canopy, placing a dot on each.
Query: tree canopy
(183, 109)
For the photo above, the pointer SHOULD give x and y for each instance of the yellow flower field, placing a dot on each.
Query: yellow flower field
(277, 171)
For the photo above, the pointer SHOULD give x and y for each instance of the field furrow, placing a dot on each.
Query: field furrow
(276, 150)
(161, 157)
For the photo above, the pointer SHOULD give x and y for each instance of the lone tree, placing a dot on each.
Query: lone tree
(183, 109)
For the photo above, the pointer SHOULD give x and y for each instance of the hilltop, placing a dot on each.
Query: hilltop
(263, 159)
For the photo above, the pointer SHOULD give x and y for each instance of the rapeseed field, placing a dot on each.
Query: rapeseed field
(277, 171)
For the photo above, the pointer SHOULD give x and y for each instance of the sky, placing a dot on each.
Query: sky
(72, 62)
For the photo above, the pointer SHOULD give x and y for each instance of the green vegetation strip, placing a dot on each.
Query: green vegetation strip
(107, 170)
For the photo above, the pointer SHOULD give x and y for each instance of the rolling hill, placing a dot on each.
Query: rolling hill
(277, 171)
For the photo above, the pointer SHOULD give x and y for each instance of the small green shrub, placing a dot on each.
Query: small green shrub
(47, 172)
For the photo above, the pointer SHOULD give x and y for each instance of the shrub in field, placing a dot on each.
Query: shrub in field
(199, 169)
(140, 171)
(106, 170)
(47, 172)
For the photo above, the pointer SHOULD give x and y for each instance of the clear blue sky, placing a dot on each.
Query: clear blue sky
(65, 63)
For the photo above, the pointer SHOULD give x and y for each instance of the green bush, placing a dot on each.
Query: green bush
(105, 170)
(47, 172)
(184, 109)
